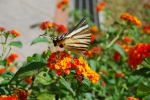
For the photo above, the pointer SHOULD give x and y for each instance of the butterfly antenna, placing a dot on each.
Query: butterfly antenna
(45, 36)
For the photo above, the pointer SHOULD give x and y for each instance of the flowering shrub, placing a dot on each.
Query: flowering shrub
(115, 67)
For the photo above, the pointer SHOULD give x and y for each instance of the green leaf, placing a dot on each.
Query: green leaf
(68, 98)
(43, 78)
(66, 85)
(119, 49)
(142, 90)
(143, 87)
(39, 39)
(3, 91)
(111, 30)
(7, 75)
(35, 57)
(30, 66)
(88, 96)
(26, 74)
(86, 82)
(134, 79)
(16, 44)
(145, 72)
(146, 98)
(3, 62)
(92, 64)
(45, 96)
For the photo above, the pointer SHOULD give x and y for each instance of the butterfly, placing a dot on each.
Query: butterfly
(77, 40)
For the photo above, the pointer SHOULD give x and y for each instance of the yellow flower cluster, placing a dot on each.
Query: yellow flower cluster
(84, 68)
(131, 19)
(63, 66)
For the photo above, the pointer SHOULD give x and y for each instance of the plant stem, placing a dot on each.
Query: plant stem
(117, 37)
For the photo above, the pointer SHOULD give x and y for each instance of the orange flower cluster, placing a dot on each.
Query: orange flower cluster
(63, 63)
(54, 26)
(119, 74)
(5, 97)
(14, 33)
(21, 94)
(131, 19)
(95, 51)
(62, 3)
(147, 29)
(94, 29)
(45, 25)
(11, 58)
(2, 29)
(100, 6)
(95, 33)
(137, 53)
(131, 98)
(83, 68)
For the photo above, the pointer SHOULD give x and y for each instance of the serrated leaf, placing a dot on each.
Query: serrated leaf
(43, 78)
(40, 39)
(66, 85)
(30, 66)
(45, 96)
(16, 44)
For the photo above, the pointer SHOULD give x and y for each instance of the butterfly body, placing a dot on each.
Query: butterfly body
(76, 40)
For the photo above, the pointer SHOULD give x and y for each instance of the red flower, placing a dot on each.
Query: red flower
(116, 56)
(28, 80)
(62, 3)
(45, 25)
(11, 58)
(15, 33)
(147, 29)
(137, 53)
(127, 39)
(5, 97)
(103, 83)
(2, 69)
(62, 29)
(22, 94)
(2, 29)
(119, 74)
(132, 98)
(92, 38)
(100, 6)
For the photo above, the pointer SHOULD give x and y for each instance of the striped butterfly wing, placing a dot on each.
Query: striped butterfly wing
(77, 39)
